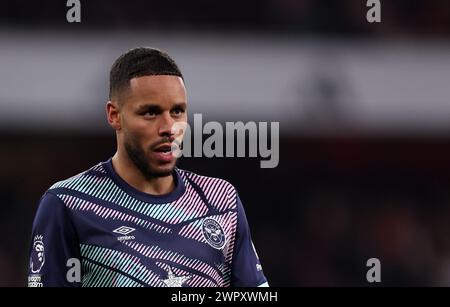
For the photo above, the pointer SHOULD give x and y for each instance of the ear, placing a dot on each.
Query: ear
(113, 115)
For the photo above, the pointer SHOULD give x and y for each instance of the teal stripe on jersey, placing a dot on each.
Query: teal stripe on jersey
(103, 277)
(115, 260)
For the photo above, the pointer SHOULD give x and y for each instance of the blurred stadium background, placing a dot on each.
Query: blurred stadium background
(363, 108)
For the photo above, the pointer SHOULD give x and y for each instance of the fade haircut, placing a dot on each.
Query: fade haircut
(139, 62)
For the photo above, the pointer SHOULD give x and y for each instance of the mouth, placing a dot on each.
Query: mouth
(163, 153)
(165, 148)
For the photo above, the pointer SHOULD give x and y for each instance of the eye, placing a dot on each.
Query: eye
(178, 111)
(150, 113)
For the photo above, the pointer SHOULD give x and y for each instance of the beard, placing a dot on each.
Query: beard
(139, 158)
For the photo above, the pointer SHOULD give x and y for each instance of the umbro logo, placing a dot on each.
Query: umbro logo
(124, 230)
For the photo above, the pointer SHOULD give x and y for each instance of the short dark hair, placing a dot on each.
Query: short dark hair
(139, 62)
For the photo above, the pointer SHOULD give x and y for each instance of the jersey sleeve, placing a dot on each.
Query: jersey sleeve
(246, 268)
(54, 245)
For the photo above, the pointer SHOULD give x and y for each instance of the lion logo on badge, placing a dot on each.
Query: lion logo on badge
(37, 259)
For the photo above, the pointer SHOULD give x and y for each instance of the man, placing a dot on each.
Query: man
(136, 219)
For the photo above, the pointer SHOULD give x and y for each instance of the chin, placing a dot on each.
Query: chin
(162, 170)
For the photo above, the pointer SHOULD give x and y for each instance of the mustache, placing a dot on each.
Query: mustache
(165, 140)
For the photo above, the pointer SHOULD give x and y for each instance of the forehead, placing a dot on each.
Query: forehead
(157, 89)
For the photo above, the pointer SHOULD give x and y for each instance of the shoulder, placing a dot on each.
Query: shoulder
(60, 194)
(87, 183)
(208, 183)
(219, 192)
(81, 179)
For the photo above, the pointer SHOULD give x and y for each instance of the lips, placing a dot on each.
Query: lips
(163, 153)
(164, 148)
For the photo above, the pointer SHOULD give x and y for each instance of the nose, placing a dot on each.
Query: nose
(165, 127)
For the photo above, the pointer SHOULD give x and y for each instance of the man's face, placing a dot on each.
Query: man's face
(150, 108)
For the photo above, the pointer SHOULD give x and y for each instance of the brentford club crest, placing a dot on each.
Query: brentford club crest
(213, 233)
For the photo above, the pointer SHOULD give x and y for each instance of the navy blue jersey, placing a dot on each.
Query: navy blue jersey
(195, 236)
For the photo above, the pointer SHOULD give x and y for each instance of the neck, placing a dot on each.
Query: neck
(126, 169)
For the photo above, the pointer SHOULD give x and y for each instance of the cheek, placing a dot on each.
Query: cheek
(134, 125)
(142, 133)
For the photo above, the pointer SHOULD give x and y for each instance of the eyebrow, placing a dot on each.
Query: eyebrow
(157, 107)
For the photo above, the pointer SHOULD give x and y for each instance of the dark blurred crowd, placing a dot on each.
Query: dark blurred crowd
(404, 17)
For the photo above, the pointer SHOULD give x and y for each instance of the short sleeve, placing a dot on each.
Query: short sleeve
(53, 243)
(246, 267)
